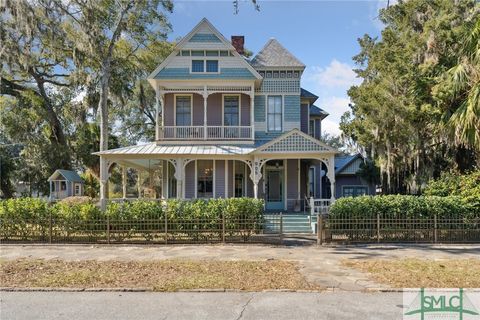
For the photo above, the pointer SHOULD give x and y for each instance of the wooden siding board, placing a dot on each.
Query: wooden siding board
(225, 73)
(220, 178)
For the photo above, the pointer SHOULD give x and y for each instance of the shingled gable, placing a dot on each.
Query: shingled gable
(274, 54)
(228, 46)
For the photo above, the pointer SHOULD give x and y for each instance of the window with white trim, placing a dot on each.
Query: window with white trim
(212, 65)
(311, 128)
(77, 189)
(197, 65)
(274, 113)
(354, 191)
(183, 111)
(239, 184)
(231, 110)
(204, 178)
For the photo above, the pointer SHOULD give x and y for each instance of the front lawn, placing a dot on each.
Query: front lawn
(417, 273)
(163, 275)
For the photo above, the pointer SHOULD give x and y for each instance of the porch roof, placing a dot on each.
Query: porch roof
(155, 149)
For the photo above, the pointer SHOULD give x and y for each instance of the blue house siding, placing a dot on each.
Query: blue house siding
(266, 136)
(225, 73)
(204, 37)
(304, 118)
(351, 180)
(259, 109)
(292, 108)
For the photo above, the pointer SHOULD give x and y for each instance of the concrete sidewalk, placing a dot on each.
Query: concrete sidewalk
(320, 265)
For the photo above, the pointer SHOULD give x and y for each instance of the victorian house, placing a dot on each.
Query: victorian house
(229, 126)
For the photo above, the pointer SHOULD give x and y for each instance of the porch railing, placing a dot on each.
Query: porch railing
(205, 133)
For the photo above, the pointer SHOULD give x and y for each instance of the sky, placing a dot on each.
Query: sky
(322, 34)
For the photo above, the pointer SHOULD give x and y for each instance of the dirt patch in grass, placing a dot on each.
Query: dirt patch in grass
(164, 275)
(415, 273)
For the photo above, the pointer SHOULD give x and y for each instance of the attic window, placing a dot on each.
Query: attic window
(186, 53)
(212, 65)
(223, 53)
(198, 53)
(212, 54)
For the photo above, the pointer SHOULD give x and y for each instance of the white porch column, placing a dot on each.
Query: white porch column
(252, 113)
(124, 182)
(331, 176)
(179, 175)
(205, 98)
(157, 113)
(103, 183)
(255, 175)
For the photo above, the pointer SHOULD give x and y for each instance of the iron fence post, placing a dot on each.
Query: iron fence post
(378, 227)
(435, 228)
(281, 227)
(223, 227)
(108, 229)
(166, 229)
(50, 227)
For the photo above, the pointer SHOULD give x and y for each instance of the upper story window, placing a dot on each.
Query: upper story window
(197, 66)
(205, 66)
(311, 128)
(231, 110)
(274, 113)
(212, 65)
(183, 110)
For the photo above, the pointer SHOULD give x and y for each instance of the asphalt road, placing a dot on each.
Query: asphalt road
(183, 305)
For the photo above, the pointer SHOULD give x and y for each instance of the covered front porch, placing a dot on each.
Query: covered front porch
(275, 171)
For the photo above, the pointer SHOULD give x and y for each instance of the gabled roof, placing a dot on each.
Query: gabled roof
(274, 54)
(317, 112)
(341, 162)
(66, 174)
(294, 141)
(220, 37)
(308, 95)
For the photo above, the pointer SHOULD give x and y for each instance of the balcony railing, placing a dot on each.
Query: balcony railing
(205, 133)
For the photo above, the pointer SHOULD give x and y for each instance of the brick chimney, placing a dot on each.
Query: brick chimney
(237, 43)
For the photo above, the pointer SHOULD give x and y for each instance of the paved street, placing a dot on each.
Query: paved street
(183, 305)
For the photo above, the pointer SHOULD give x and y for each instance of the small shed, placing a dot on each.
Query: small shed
(65, 183)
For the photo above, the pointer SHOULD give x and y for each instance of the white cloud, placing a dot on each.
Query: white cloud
(335, 75)
(336, 107)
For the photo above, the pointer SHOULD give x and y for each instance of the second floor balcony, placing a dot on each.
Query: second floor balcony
(205, 133)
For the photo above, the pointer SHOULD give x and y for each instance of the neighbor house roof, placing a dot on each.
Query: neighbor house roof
(274, 54)
(66, 174)
(341, 162)
(317, 111)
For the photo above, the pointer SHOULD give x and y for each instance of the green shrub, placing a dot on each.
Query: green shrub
(465, 186)
(402, 206)
(25, 217)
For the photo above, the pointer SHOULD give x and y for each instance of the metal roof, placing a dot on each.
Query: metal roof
(317, 111)
(153, 148)
(308, 95)
(274, 54)
(341, 162)
(67, 174)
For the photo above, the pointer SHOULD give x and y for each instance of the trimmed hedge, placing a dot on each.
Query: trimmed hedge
(403, 206)
(27, 218)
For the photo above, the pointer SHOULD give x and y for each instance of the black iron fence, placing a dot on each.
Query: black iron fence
(163, 230)
(399, 229)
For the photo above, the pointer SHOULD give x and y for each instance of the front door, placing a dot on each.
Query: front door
(274, 187)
